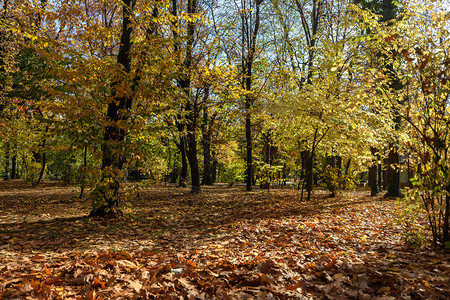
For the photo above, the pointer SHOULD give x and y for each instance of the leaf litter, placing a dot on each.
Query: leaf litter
(222, 244)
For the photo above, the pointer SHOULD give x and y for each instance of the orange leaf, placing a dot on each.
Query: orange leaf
(98, 282)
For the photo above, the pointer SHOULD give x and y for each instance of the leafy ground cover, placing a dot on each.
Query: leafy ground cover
(222, 244)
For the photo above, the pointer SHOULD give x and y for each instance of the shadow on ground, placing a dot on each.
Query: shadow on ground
(51, 218)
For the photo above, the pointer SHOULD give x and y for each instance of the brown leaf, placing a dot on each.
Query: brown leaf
(135, 285)
(126, 264)
(90, 295)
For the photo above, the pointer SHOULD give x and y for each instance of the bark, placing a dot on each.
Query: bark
(393, 176)
(214, 167)
(208, 161)
(331, 186)
(179, 122)
(192, 146)
(267, 158)
(380, 172)
(301, 183)
(42, 156)
(7, 161)
(182, 147)
(309, 173)
(114, 133)
(347, 167)
(14, 166)
(83, 176)
(41, 173)
(249, 37)
(249, 153)
(191, 105)
(446, 226)
(373, 178)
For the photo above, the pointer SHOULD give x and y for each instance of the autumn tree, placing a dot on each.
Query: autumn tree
(387, 9)
(416, 51)
(250, 20)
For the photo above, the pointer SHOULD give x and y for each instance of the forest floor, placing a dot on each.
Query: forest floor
(222, 244)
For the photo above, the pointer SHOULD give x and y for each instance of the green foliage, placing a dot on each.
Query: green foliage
(232, 172)
(267, 173)
(334, 179)
(416, 237)
(427, 197)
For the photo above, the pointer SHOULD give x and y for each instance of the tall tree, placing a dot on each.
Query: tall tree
(188, 118)
(310, 21)
(115, 132)
(250, 13)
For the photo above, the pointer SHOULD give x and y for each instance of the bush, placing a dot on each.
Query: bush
(232, 172)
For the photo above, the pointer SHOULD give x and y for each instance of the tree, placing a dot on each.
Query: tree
(416, 50)
(250, 22)
(113, 158)
(324, 98)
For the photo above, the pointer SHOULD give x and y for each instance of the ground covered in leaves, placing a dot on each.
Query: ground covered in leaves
(222, 244)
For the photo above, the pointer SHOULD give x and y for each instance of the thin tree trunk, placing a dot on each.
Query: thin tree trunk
(41, 173)
(379, 172)
(207, 162)
(373, 178)
(182, 147)
(83, 177)
(207, 131)
(446, 226)
(214, 167)
(208, 168)
(43, 157)
(249, 155)
(184, 82)
(249, 36)
(192, 147)
(7, 161)
(309, 174)
(14, 166)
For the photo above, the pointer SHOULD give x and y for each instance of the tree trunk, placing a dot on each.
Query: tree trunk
(208, 170)
(7, 161)
(214, 167)
(302, 181)
(14, 166)
(207, 132)
(309, 174)
(373, 178)
(192, 147)
(249, 36)
(83, 176)
(182, 147)
(114, 133)
(380, 172)
(184, 82)
(249, 155)
(207, 162)
(41, 173)
(446, 226)
(393, 176)
(42, 156)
